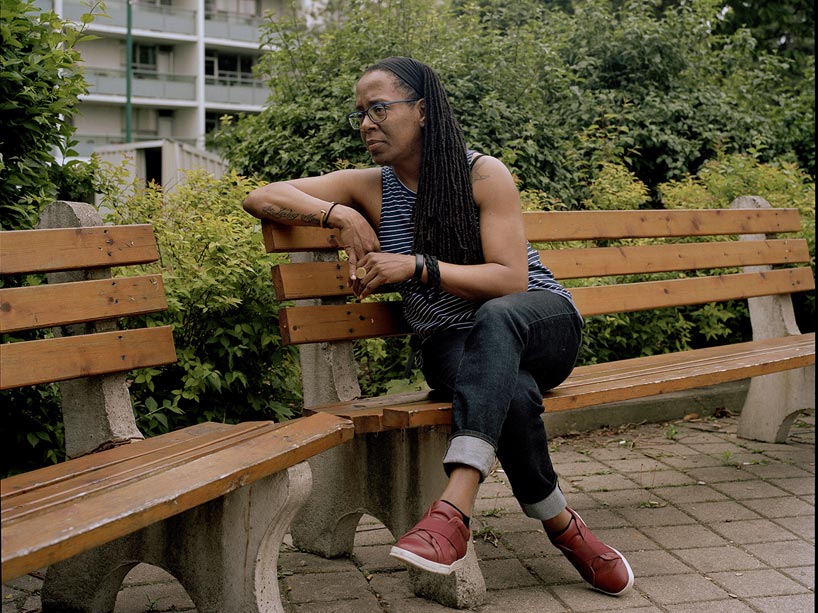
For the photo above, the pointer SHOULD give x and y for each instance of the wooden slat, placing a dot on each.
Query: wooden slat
(311, 324)
(647, 259)
(42, 306)
(311, 280)
(608, 225)
(58, 359)
(329, 279)
(585, 225)
(64, 530)
(628, 297)
(690, 370)
(13, 486)
(96, 472)
(602, 383)
(28, 251)
(282, 239)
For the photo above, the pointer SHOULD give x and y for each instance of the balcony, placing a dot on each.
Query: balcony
(144, 84)
(230, 26)
(144, 16)
(235, 88)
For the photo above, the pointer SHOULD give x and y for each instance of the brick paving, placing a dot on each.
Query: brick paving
(708, 521)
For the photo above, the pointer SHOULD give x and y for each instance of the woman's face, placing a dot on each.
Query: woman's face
(398, 137)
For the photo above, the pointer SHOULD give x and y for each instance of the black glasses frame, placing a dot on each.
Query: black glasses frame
(374, 112)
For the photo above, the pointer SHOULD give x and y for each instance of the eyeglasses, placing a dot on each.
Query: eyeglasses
(376, 113)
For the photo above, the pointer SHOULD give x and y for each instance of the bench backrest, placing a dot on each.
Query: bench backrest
(79, 351)
(556, 233)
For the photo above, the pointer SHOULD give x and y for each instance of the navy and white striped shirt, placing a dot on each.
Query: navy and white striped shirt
(448, 311)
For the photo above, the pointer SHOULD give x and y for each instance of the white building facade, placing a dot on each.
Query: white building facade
(192, 62)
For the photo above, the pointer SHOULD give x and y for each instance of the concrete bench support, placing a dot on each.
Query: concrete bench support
(775, 400)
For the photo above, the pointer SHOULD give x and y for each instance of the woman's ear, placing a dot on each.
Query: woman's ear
(422, 108)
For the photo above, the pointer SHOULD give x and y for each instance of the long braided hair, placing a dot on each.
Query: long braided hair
(446, 220)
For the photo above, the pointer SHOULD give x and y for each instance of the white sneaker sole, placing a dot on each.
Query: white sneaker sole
(423, 564)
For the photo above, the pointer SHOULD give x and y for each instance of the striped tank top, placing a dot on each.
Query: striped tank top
(427, 316)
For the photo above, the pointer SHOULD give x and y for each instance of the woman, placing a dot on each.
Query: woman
(443, 225)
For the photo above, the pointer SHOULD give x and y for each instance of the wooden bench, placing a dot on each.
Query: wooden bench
(392, 468)
(209, 503)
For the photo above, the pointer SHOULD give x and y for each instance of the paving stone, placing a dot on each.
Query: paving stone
(628, 499)
(790, 553)
(650, 515)
(785, 604)
(521, 600)
(325, 587)
(656, 562)
(721, 511)
(308, 563)
(722, 606)
(603, 483)
(796, 485)
(723, 558)
(789, 507)
(717, 474)
(357, 605)
(805, 575)
(747, 490)
(373, 535)
(505, 574)
(580, 597)
(376, 558)
(753, 531)
(684, 537)
(681, 588)
(753, 583)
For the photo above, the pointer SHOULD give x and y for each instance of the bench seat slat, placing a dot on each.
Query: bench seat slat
(329, 279)
(30, 251)
(583, 225)
(91, 354)
(310, 324)
(601, 383)
(17, 485)
(42, 306)
(105, 470)
(58, 533)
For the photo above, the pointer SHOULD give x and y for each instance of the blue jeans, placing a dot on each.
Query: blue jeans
(495, 373)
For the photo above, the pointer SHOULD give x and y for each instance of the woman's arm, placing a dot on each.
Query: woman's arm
(304, 201)
(505, 270)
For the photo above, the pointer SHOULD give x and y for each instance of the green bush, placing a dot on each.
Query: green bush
(221, 305)
(40, 86)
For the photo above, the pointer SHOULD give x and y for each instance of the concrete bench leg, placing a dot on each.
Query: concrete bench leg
(393, 476)
(774, 401)
(224, 553)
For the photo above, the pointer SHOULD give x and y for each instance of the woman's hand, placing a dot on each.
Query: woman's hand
(382, 269)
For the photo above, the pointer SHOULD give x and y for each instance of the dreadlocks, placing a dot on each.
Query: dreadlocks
(446, 220)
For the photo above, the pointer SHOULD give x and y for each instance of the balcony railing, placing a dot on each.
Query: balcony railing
(243, 28)
(147, 84)
(144, 16)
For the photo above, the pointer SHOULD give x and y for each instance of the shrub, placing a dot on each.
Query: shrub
(40, 85)
(221, 305)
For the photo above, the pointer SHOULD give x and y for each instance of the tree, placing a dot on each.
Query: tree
(40, 86)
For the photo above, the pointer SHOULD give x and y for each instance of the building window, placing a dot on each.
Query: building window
(144, 58)
(229, 69)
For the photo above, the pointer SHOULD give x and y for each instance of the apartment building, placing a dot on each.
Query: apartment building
(191, 62)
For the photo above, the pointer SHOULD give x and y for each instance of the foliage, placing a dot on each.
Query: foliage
(782, 184)
(561, 94)
(40, 85)
(221, 305)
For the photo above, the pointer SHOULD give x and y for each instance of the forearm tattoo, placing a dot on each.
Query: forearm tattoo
(275, 213)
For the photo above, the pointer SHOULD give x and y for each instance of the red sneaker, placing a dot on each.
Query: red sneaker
(603, 567)
(437, 543)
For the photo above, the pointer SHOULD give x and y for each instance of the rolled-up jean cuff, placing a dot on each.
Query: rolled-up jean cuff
(471, 451)
(550, 506)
